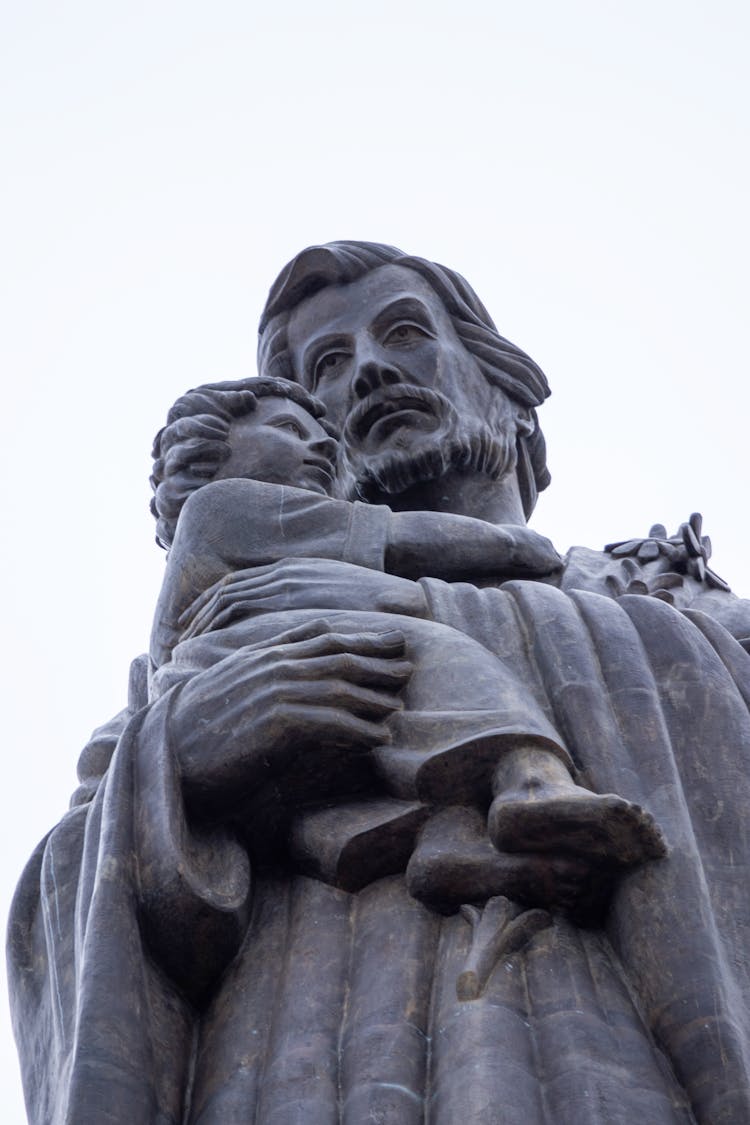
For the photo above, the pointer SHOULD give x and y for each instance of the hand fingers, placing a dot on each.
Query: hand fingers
(203, 621)
(310, 631)
(230, 602)
(239, 581)
(227, 611)
(331, 726)
(339, 695)
(388, 644)
(205, 596)
(388, 674)
(380, 667)
(238, 578)
(248, 595)
(191, 630)
(224, 609)
(295, 660)
(354, 699)
(211, 619)
(228, 582)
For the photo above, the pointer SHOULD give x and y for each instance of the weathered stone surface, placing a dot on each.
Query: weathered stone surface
(407, 819)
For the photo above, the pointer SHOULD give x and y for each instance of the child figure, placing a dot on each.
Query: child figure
(254, 466)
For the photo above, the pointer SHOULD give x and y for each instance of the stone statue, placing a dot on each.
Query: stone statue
(407, 819)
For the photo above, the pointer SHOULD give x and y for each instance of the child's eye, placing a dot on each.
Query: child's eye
(292, 427)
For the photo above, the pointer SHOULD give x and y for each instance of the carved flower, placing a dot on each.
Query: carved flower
(687, 552)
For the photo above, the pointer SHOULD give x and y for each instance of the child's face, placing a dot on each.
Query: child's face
(279, 442)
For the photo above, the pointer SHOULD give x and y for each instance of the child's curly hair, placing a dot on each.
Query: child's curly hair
(189, 450)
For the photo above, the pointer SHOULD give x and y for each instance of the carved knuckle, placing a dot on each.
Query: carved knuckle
(329, 690)
(286, 669)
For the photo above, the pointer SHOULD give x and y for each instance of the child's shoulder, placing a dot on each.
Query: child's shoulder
(214, 499)
(220, 499)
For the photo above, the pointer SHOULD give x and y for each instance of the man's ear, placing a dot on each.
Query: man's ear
(525, 425)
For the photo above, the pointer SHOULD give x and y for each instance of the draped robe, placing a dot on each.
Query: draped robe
(316, 1004)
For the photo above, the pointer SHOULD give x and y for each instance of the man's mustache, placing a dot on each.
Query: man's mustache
(390, 400)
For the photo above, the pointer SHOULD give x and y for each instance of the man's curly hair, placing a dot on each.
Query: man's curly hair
(190, 449)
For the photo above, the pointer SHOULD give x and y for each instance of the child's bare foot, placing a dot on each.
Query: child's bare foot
(539, 808)
(576, 821)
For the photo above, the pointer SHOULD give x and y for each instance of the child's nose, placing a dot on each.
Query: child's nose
(325, 447)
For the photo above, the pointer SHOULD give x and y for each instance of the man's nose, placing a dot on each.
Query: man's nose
(372, 375)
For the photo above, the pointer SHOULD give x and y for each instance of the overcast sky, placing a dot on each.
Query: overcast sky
(583, 164)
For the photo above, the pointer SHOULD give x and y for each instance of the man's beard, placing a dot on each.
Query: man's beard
(460, 445)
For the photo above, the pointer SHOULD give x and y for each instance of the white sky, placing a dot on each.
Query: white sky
(583, 164)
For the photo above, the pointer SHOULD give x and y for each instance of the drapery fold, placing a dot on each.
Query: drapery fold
(334, 1005)
(91, 995)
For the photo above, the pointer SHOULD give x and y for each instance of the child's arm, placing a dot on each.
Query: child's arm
(442, 545)
(233, 525)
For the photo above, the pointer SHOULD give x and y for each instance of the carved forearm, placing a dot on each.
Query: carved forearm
(442, 545)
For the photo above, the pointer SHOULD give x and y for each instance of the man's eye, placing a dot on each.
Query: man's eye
(329, 364)
(405, 334)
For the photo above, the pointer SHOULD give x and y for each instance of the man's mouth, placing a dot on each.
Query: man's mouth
(387, 404)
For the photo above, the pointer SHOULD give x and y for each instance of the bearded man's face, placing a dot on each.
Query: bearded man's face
(411, 401)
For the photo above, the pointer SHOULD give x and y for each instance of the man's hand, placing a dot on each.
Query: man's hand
(250, 716)
(300, 584)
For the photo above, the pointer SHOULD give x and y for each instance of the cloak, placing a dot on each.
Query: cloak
(152, 983)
